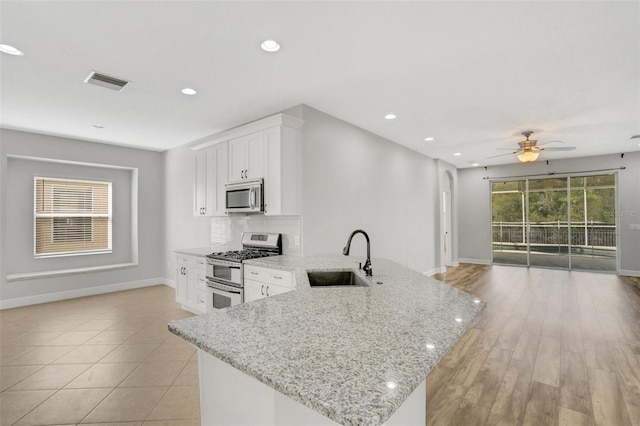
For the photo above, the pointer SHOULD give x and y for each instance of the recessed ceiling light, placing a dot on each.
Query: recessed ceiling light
(475, 164)
(270, 46)
(390, 117)
(5, 48)
(98, 126)
(457, 154)
(188, 91)
(429, 139)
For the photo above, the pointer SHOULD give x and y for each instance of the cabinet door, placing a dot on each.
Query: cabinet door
(282, 171)
(192, 283)
(255, 156)
(181, 283)
(237, 158)
(209, 205)
(272, 173)
(272, 290)
(221, 151)
(199, 192)
(253, 290)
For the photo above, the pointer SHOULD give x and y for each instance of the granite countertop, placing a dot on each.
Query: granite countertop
(203, 251)
(352, 354)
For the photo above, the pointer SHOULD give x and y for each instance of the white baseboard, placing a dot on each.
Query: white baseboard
(475, 261)
(629, 273)
(81, 292)
(434, 271)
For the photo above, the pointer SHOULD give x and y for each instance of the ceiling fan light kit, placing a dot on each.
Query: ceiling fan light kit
(528, 156)
(529, 150)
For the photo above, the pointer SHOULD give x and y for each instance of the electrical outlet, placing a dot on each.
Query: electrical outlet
(296, 240)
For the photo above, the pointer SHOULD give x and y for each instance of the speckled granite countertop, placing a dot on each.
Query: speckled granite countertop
(352, 354)
(203, 251)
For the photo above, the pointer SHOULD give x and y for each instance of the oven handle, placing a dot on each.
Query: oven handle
(222, 287)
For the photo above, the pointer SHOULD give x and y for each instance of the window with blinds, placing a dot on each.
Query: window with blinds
(71, 216)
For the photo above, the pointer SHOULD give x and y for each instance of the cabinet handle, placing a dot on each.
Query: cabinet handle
(204, 210)
(262, 290)
(245, 174)
(242, 174)
(254, 273)
(277, 277)
(267, 291)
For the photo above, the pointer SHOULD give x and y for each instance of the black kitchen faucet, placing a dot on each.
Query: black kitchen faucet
(367, 264)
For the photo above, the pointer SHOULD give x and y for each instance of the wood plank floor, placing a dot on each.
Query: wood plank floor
(552, 348)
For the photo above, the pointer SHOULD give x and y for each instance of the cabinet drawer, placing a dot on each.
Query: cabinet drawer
(281, 278)
(256, 273)
(194, 261)
(201, 280)
(201, 299)
(201, 263)
(183, 259)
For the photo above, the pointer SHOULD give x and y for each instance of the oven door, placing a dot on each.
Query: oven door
(244, 197)
(220, 296)
(223, 271)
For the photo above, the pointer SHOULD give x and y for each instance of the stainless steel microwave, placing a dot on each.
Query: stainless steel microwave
(244, 197)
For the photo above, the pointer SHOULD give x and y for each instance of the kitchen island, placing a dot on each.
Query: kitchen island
(357, 355)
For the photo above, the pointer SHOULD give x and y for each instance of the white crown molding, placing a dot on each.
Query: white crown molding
(246, 129)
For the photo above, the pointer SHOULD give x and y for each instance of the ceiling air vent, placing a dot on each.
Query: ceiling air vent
(105, 81)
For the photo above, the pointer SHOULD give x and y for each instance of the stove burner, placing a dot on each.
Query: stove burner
(240, 255)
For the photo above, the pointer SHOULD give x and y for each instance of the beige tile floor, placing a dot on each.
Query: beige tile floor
(106, 359)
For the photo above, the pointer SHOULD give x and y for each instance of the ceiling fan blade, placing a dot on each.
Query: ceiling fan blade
(502, 155)
(560, 148)
(504, 149)
(545, 143)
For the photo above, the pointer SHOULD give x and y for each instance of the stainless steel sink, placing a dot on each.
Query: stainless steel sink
(335, 278)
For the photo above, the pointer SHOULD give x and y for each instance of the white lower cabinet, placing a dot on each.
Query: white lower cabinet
(191, 283)
(260, 282)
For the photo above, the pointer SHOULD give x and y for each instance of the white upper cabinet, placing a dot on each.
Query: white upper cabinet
(268, 149)
(282, 171)
(246, 157)
(210, 178)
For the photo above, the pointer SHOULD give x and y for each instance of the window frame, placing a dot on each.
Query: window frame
(53, 215)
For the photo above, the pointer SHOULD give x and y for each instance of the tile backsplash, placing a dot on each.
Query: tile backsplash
(228, 230)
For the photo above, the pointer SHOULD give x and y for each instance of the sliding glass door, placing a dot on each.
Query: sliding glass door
(509, 222)
(593, 222)
(555, 222)
(548, 223)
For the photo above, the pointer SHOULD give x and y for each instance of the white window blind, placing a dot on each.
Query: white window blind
(71, 216)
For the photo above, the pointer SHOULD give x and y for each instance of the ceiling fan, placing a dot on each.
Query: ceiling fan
(530, 150)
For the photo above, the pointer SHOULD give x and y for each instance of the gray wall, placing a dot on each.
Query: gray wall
(16, 220)
(474, 219)
(19, 215)
(354, 179)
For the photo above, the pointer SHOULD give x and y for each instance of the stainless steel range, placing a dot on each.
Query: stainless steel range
(225, 273)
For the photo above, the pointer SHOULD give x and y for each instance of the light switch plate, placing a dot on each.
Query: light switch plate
(296, 240)
(635, 226)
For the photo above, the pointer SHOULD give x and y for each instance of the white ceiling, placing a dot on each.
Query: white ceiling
(470, 74)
